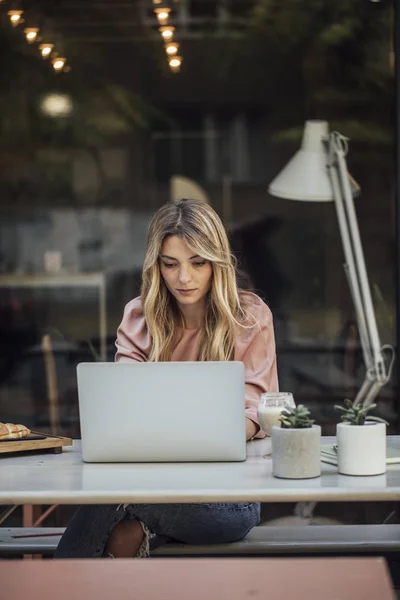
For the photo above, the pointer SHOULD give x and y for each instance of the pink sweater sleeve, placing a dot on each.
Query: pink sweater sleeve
(259, 358)
(133, 340)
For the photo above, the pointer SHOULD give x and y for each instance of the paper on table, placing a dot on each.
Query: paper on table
(329, 455)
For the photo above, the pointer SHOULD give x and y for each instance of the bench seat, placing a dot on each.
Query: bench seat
(262, 540)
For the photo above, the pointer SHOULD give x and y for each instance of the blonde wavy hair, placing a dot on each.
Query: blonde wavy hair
(202, 230)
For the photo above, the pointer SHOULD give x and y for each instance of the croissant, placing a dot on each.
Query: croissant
(10, 431)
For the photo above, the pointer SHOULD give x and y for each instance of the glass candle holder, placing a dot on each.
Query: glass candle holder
(270, 407)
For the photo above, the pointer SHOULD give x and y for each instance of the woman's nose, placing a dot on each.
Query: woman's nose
(184, 275)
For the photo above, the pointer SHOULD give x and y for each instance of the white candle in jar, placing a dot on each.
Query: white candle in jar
(269, 416)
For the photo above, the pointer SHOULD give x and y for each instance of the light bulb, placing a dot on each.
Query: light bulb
(31, 34)
(167, 32)
(58, 63)
(162, 15)
(57, 105)
(46, 49)
(15, 16)
(171, 48)
(175, 63)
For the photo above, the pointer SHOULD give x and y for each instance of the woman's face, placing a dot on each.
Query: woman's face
(187, 276)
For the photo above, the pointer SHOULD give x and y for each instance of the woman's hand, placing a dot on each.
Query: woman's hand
(251, 429)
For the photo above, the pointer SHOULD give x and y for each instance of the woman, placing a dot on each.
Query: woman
(190, 308)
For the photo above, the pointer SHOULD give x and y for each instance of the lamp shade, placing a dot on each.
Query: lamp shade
(306, 177)
(183, 187)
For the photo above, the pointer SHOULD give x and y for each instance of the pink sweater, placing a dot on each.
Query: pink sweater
(255, 347)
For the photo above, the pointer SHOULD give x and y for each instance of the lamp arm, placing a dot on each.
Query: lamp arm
(360, 317)
(376, 374)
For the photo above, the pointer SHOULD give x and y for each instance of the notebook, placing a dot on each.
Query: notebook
(162, 411)
(329, 455)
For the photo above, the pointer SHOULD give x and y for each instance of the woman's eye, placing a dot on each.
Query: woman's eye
(168, 265)
(199, 264)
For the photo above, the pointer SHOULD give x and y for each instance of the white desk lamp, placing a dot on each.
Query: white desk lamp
(318, 173)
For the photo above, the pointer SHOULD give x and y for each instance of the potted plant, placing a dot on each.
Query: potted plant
(296, 445)
(361, 440)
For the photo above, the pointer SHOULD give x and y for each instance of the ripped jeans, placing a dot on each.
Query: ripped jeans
(89, 529)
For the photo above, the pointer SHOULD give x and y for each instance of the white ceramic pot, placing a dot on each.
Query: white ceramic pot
(361, 448)
(296, 453)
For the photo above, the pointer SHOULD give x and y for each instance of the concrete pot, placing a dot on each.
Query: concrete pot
(361, 448)
(296, 453)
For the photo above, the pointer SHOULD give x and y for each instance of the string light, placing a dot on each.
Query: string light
(15, 17)
(58, 63)
(171, 48)
(45, 50)
(175, 63)
(31, 34)
(167, 32)
(162, 15)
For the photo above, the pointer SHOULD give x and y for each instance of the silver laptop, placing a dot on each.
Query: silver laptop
(162, 412)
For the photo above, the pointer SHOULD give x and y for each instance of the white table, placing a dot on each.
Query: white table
(65, 479)
(62, 280)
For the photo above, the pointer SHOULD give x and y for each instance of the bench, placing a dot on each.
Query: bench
(262, 540)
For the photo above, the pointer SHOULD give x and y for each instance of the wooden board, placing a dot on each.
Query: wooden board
(49, 443)
(190, 578)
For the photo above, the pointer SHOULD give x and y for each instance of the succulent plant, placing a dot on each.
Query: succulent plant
(296, 418)
(357, 414)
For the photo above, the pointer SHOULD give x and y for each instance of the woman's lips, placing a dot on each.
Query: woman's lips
(186, 292)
